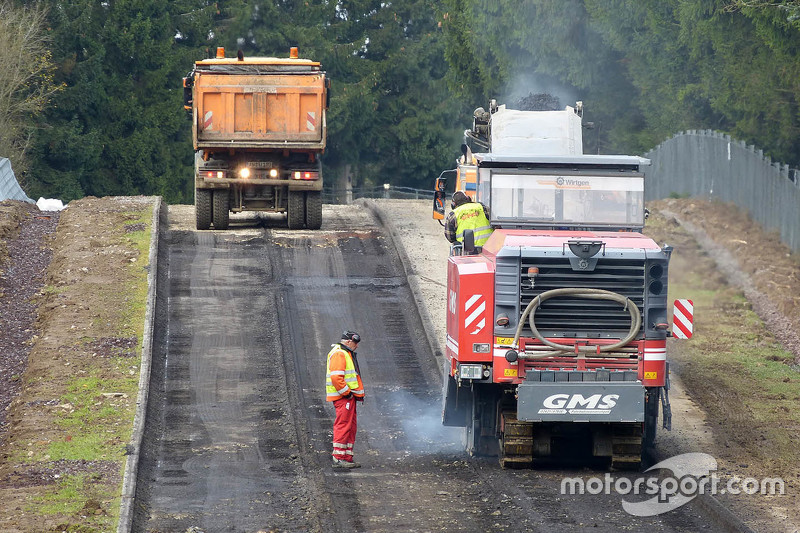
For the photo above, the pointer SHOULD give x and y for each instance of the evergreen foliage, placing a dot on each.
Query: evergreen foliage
(118, 128)
(644, 69)
(406, 75)
(392, 118)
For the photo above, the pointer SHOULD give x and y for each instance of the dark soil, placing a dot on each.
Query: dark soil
(21, 278)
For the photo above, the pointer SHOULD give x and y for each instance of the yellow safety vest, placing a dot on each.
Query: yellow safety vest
(471, 216)
(342, 367)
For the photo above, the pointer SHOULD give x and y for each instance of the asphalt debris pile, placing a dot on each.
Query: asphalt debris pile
(538, 102)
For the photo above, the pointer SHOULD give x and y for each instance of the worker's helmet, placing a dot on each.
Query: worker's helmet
(351, 336)
(459, 197)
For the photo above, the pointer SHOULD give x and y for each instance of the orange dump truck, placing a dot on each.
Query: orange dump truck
(258, 130)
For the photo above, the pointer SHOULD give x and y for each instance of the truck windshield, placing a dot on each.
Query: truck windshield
(567, 200)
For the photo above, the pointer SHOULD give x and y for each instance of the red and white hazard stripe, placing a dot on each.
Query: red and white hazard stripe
(452, 344)
(474, 308)
(311, 120)
(683, 319)
(655, 354)
(208, 123)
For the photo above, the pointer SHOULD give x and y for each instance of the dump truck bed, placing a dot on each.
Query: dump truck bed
(260, 103)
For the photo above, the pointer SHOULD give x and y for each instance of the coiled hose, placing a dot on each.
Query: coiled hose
(590, 294)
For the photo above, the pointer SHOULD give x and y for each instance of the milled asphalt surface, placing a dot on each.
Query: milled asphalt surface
(237, 434)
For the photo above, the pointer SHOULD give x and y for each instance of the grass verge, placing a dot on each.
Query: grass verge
(68, 446)
(733, 366)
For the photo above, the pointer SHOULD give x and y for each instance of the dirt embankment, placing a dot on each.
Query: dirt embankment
(63, 449)
(749, 259)
(24, 256)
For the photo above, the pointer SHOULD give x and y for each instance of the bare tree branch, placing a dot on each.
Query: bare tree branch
(738, 5)
(26, 76)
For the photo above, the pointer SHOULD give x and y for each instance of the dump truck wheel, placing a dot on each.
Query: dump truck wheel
(202, 208)
(221, 213)
(313, 209)
(296, 216)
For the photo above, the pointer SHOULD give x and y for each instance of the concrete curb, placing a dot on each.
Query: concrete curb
(411, 276)
(134, 448)
(721, 515)
(711, 507)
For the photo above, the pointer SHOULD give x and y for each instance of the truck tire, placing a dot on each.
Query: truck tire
(296, 212)
(313, 209)
(221, 213)
(202, 208)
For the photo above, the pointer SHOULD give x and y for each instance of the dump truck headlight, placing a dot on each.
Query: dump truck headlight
(244, 172)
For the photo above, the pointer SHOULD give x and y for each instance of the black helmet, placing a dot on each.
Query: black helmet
(351, 336)
(459, 198)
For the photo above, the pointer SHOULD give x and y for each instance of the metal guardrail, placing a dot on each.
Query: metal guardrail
(333, 195)
(710, 164)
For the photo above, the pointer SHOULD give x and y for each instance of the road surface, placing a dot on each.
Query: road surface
(238, 433)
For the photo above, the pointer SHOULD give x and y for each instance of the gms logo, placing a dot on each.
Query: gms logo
(576, 404)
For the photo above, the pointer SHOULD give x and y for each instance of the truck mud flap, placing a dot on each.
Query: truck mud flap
(456, 401)
(581, 402)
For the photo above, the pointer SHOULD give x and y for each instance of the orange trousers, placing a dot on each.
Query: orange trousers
(344, 429)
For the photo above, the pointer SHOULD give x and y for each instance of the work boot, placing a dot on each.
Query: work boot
(338, 463)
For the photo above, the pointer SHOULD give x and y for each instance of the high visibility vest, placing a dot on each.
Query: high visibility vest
(471, 216)
(342, 375)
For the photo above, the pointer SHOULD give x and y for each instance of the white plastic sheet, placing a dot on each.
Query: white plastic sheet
(49, 204)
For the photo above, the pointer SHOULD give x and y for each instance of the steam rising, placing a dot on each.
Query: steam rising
(526, 84)
(421, 420)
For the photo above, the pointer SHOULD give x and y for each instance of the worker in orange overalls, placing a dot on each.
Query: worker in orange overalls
(344, 388)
